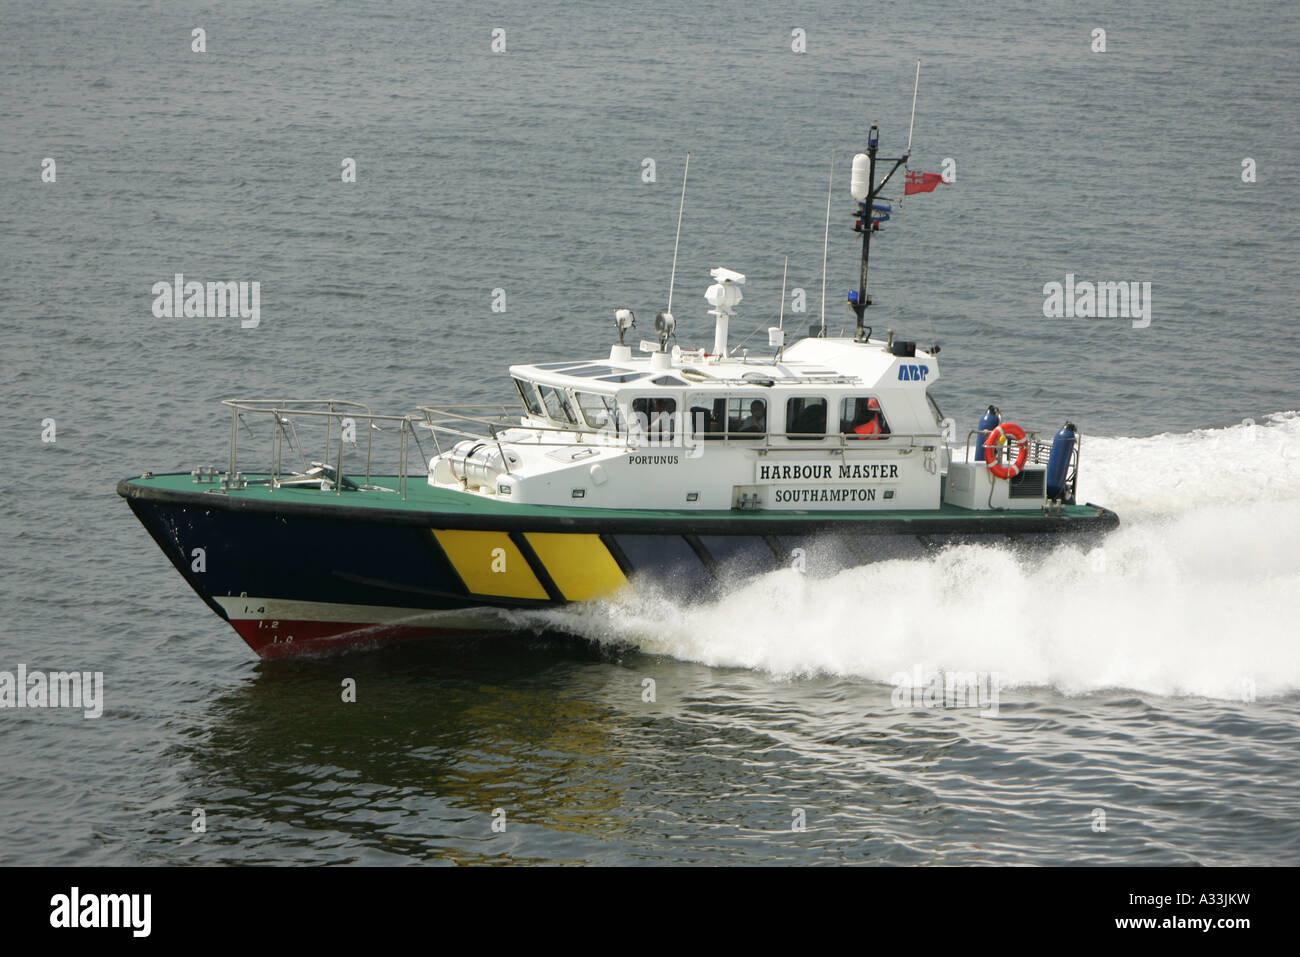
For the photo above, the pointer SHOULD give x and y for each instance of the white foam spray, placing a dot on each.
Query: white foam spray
(1196, 594)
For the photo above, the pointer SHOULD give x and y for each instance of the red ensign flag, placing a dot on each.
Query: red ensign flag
(922, 183)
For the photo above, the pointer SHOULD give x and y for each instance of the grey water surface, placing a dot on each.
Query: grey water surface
(523, 171)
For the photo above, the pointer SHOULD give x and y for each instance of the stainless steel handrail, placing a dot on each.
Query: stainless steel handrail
(329, 410)
(1040, 452)
(1031, 440)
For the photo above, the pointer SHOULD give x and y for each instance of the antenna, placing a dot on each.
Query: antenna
(825, 239)
(673, 278)
(780, 322)
(915, 86)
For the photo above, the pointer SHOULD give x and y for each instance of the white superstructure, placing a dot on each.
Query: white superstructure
(824, 424)
(828, 424)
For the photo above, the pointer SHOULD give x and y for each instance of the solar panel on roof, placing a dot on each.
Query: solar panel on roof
(586, 371)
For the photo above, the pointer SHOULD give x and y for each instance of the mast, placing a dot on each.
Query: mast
(865, 191)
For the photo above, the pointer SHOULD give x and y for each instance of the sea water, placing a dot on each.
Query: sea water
(1135, 700)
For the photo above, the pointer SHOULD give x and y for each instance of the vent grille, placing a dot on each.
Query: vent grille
(1031, 483)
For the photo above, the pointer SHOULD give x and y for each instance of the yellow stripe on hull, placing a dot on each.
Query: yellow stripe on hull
(489, 563)
(580, 565)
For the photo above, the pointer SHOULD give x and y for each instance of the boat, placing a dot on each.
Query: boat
(682, 468)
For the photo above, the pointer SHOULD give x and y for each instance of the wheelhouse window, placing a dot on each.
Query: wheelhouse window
(862, 417)
(655, 417)
(805, 417)
(557, 406)
(709, 418)
(746, 418)
(528, 393)
(737, 418)
(599, 411)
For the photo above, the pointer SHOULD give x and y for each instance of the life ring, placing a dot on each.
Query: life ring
(992, 446)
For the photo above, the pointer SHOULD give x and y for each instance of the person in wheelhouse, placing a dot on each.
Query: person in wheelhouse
(867, 418)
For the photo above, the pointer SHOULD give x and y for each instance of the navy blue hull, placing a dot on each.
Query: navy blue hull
(289, 577)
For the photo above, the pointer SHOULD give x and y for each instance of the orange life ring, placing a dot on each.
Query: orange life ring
(992, 446)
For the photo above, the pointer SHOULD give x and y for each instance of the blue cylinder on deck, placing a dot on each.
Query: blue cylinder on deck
(1058, 464)
(989, 421)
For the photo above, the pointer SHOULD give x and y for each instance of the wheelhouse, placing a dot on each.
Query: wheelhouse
(785, 402)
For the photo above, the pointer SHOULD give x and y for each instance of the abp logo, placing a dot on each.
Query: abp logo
(913, 373)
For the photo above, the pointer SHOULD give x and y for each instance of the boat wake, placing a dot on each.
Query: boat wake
(1195, 595)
